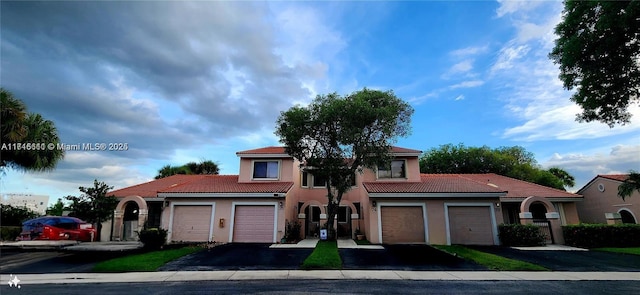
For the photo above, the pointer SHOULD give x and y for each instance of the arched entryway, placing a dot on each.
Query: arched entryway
(539, 211)
(129, 217)
(312, 215)
(627, 217)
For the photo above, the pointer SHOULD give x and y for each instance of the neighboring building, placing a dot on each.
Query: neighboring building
(394, 204)
(603, 205)
(36, 203)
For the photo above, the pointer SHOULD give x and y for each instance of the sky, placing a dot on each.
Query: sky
(191, 81)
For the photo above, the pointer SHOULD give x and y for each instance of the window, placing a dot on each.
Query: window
(396, 170)
(265, 169)
(319, 181)
(305, 179)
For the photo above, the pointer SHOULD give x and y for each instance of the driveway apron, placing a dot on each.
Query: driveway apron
(570, 260)
(248, 256)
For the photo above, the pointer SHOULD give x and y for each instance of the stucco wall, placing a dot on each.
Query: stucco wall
(597, 203)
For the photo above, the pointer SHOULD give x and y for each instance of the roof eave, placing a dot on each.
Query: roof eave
(436, 195)
(277, 195)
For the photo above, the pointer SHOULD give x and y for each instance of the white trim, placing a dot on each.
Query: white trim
(494, 226)
(551, 199)
(253, 163)
(630, 212)
(262, 156)
(275, 216)
(435, 195)
(173, 204)
(394, 204)
(223, 195)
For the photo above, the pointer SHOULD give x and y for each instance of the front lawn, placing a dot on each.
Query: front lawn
(150, 261)
(324, 256)
(491, 261)
(631, 250)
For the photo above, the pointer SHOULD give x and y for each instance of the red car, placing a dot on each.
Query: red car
(57, 228)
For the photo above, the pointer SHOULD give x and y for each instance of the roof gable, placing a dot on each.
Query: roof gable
(614, 177)
(150, 189)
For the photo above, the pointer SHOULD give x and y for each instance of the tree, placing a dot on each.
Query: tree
(515, 162)
(15, 216)
(204, 167)
(19, 128)
(567, 179)
(57, 209)
(632, 183)
(598, 52)
(93, 205)
(335, 137)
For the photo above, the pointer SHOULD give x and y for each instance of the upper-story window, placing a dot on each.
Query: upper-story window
(266, 169)
(305, 179)
(396, 170)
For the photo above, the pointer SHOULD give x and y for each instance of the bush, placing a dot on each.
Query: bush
(15, 216)
(602, 235)
(292, 231)
(521, 235)
(9, 233)
(153, 238)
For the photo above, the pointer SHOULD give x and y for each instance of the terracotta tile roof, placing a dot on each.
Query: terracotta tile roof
(397, 149)
(518, 188)
(150, 189)
(432, 183)
(265, 150)
(618, 177)
(228, 184)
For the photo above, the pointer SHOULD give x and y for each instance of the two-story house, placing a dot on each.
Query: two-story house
(394, 204)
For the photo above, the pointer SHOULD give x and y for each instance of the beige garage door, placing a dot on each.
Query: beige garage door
(191, 223)
(402, 225)
(470, 225)
(253, 224)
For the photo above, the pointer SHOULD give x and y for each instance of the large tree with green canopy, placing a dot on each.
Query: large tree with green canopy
(598, 51)
(335, 137)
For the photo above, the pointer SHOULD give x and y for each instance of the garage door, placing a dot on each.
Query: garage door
(402, 225)
(191, 223)
(470, 225)
(253, 224)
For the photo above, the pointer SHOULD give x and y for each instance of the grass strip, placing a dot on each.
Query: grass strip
(150, 261)
(631, 250)
(324, 256)
(362, 242)
(488, 260)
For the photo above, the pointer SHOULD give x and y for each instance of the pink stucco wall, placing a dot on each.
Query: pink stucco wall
(596, 203)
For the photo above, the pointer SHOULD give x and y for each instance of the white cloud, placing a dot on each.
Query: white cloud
(467, 84)
(459, 68)
(513, 6)
(508, 55)
(459, 97)
(469, 51)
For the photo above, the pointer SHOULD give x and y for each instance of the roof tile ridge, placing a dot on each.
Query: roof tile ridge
(539, 185)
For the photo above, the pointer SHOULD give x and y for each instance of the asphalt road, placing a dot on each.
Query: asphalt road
(336, 287)
(34, 262)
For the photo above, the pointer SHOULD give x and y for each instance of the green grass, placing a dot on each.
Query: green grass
(632, 250)
(150, 261)
(491, 261)
(324, 256)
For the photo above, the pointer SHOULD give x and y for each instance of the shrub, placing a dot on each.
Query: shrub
(9, 233)
(15, 216)
(602, 235)
(153, 238)
(292, 231)
(521, 235)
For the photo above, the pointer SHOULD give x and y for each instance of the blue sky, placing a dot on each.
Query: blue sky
(186, 81)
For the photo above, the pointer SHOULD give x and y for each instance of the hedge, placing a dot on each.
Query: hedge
(602, 235)
(153, 238)
(9, 233)
(521, 235)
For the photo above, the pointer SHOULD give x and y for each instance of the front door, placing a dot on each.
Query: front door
(312, 223)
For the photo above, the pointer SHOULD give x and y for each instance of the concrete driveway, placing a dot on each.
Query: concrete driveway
(569, 260)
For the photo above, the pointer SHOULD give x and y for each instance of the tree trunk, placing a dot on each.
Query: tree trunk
(331, 231)
(98, 230)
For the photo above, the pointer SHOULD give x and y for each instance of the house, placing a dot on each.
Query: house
(601, 202)
(394, 204)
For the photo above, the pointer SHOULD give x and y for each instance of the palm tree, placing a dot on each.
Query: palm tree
(21, 127)
(632, 183)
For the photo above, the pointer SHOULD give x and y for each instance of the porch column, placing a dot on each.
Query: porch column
(556, 227)
(526, 218)
(613, 218)
(117, 225)
(355, 220)
(142, 218)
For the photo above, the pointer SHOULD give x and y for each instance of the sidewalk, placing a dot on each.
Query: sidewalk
(181, 276)
(311, 243)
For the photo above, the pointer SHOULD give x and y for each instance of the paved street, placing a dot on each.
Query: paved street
(335, 287)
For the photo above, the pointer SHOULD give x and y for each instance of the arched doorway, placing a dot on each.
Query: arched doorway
(627, 217)
(130, 221)
(124, 206)
(539, 211)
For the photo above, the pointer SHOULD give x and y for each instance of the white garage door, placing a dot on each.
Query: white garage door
(191, 223)
(470, 225)
(254, 224)
(402, 225)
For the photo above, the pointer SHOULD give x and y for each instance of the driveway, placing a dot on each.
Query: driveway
(569, 260)
(20, 261)
(261, 257)
(404, 257)
(240, 257)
